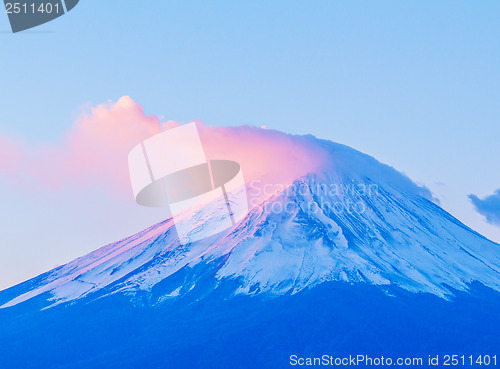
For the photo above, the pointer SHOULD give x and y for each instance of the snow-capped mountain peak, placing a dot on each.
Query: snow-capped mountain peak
(354, 220)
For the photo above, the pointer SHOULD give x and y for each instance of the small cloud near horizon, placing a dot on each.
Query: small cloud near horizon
(489, 207)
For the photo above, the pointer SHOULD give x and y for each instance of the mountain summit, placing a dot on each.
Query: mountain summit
(352, 219)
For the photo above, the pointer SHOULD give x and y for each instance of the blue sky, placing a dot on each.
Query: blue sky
(414, 84)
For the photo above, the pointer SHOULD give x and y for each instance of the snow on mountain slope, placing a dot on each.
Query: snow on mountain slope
(354, 220)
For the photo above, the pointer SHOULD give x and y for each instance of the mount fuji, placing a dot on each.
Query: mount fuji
(350, 258)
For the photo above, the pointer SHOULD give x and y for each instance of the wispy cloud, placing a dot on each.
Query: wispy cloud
(488, 206)
(94, 152)
(90, 153)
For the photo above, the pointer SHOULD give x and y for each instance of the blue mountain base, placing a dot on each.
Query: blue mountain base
(195, 331)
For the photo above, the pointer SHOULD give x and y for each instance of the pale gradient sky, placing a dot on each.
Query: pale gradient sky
(414, 84)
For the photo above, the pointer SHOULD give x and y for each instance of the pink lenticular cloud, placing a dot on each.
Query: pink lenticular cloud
(98, 146)
(273, 156)
(94, 153)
